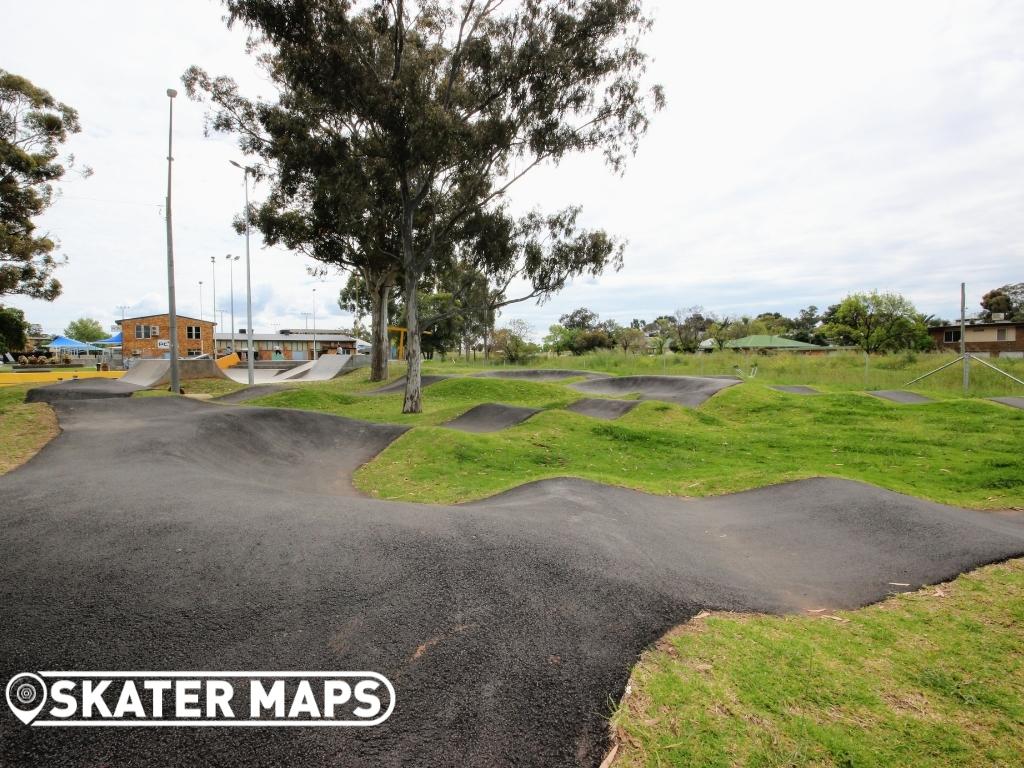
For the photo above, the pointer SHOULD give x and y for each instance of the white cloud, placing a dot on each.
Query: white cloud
(809, 149)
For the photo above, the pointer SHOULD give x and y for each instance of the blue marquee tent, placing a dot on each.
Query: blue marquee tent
(114, 340)
(63, 342)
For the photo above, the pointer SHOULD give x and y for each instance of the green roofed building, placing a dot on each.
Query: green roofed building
(764, 343)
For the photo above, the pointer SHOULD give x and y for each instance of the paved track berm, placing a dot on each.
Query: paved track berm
(167, 533)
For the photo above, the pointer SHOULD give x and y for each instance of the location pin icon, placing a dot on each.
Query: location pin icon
(26, 695)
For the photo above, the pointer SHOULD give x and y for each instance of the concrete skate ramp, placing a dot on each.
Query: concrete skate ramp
(508, 626)
(541, 374)
(682, 390)
(901, 397)
(490, 417)
(152, 373)
(295, 373)
(599, 408)
(81, 389)
(1013, 402)
(329, 367)
(796, 389)
(399, 384)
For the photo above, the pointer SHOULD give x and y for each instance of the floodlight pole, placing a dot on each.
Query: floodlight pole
(246, 170)
(172, 315)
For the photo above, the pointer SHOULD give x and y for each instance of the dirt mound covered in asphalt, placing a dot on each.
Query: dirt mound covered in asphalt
(796, 389)
(399, 385)
(490, 417)
(538, 374)
(600, 408)
(81, 389)
(251, 393)
(680, 390)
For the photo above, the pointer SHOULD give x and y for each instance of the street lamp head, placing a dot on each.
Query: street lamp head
(171, 92)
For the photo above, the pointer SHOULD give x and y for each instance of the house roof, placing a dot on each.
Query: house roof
(976, 324)
(761, 341)
(163, 314)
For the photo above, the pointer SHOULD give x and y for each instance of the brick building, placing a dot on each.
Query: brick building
(149, 336)
(998, 338)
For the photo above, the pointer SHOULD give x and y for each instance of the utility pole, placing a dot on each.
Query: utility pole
(246, 170)
(172, 313)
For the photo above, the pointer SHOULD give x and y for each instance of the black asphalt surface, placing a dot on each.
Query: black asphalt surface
(1013, 402)
(490, 417)
(167, 533)
(901, 396)
(797, 389)
(599, 408)
(252, 393)
(81, 389)
(690, 391)
(399, 386)
(539, 374)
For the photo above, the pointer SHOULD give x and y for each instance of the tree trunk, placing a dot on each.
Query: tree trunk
(379, 352)
(413, 390)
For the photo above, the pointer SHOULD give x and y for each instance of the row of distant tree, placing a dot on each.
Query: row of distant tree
(873, 321)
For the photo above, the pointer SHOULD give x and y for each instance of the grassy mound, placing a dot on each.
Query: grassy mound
(963, 452)
(932, 678)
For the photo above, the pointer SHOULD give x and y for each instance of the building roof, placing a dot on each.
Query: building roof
(976, 323)
(761, 341)
(162, 314)
(239, 336)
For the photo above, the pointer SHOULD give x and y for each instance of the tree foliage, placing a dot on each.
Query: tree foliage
(876, 322)
(85, 329)
(13, 329)
(33, 126)
(1007, 299)
(455, 104)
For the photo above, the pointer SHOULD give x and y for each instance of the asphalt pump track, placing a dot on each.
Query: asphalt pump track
(168, 533)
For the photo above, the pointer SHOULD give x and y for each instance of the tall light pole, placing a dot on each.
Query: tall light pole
(314, 323)
(172, 313)
(246, 170)
(200, 299)
(213, 269)
(231, 264)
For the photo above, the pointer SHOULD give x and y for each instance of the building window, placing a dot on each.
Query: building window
(1000, 334)
(147, 331)
(951, 336)
(194, 352)
(193, 332)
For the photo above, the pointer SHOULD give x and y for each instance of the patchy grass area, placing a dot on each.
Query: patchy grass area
(962, 452)
(932, 678)
(24, 427)
(441, 402)
(842, 371)
(214, 387)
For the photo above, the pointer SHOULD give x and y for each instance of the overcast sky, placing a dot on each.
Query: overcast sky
(809, 149)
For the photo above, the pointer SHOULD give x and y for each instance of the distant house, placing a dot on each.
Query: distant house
(765, 343)
(149, 336)
(996, 337)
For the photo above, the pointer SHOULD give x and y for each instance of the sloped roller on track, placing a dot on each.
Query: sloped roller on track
(399, 385)
(490, 417)
(601, 408)
(681, 390)
(539, 374)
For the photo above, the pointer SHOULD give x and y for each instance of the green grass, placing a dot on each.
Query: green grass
(441, 402)
(843, 371)
(24, 427)
(933, 678)
(963, 452)
(214, 387)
